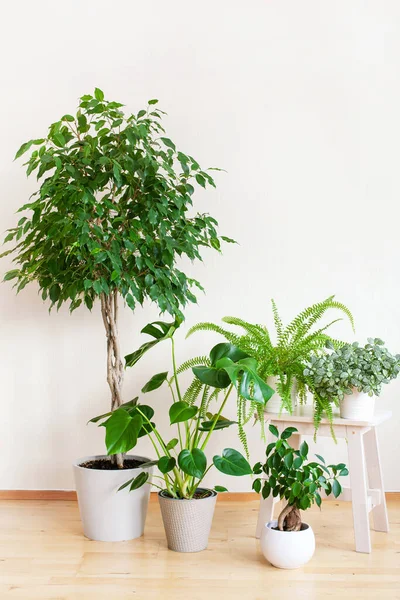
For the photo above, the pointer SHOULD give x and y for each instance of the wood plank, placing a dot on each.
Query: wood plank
(71, 495)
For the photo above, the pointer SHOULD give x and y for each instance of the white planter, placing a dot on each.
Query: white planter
(187, 523)
(357, 406)
(274, 404)
(287, 549)
(108, 515)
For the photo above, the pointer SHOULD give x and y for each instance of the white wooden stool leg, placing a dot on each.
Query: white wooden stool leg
(359, 494)
(265, 513)
(375, 479)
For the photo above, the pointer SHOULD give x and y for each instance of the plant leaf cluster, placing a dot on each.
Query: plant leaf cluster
(287, 473)
(182, 461)
(113, 210)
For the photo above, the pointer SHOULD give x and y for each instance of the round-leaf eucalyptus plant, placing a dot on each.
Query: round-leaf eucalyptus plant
(112, 216)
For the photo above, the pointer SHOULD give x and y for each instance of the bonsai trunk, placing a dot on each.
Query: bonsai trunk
(115, 367)
(289, 519)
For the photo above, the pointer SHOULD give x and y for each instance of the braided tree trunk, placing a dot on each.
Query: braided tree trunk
(115, 367)
(289, 519)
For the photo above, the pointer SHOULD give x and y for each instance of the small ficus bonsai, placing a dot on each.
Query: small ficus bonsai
(111, 217)
(292, 478)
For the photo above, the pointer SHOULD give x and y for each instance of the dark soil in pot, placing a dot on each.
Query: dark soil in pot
(198, 495)
(105, 464)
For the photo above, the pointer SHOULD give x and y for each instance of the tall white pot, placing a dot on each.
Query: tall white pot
(357, 406)
(107, 514)
(287, 549)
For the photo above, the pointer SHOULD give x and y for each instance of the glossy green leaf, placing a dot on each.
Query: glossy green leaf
(304, 449)
(166, 464)
(172, 443)
(125, 406)
(155, 382)
(221, 423)
(140, 480)
(181, 411)
(226, 350)
(122, 431)
(336, 488)
(193, 462)
(287, 433)
(257, 485)
(273, 430)
(220, 489)
(243, 374)
(232, 463)
(217, 378)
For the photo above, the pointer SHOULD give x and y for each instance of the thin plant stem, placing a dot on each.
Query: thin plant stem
(217, 417)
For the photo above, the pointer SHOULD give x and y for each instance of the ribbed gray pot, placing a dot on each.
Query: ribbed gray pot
(187, 523)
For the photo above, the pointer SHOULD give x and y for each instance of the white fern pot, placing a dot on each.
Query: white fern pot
(358, 406)
(107, 514)
(187, 523)
(274, 404)
(287, 549)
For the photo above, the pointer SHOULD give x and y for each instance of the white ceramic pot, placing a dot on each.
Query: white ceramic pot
(274, 404)
(187, 523)
(357, 406)
(108, 515)
(287, 549)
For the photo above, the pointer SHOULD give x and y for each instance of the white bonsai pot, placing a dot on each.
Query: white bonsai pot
(357, 406)
(187, 523)
(287, 549)
(108, 515)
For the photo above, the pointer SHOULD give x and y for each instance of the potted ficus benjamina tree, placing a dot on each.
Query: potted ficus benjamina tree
(195, 414)
(111, 217)
(288, 542)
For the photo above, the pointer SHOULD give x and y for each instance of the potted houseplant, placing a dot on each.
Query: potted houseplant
(187, 508)
(351, 377)
(282, 363)
(110, 219)
(289, 543)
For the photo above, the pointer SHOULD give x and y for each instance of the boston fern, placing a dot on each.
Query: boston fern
(111, 217)
(285, 358)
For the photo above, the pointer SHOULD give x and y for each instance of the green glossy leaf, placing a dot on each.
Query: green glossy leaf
(287, 433)
(232, 463)
(181, 411)
(160, 331)
(288, 460)
(318, 500)
(125, 406)
(155, 382)
(193, 462)
(98, 94)
(257, 485)
(226, 350)
(221, 423)
(321, 458)
(217, 378)
(266, 490)
(244, 377)
(166, 464)
(273, 430)
(304, 449)
(122, 431)
(168, 143)
(220, 489)
(172, 443)
(296, 489)
(139, 481)
(336, 488)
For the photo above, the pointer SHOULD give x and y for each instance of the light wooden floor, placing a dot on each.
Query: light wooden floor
(44, 555)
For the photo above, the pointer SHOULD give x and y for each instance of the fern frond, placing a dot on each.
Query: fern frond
(193, 362)
(277, 320)
(257, 332)
(193, 391)
(303, 322)
(206, 326)
(241, 431)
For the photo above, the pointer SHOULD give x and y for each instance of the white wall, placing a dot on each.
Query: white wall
(299, 101)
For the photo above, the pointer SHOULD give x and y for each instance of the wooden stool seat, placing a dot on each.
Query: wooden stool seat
(366, 491)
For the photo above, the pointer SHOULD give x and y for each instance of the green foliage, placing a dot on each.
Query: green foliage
(287, 473)
(113, 210)
(182, 461)
(295, 344)
(335, 375)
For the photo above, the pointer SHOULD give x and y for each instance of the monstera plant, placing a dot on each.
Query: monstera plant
(110, 218)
